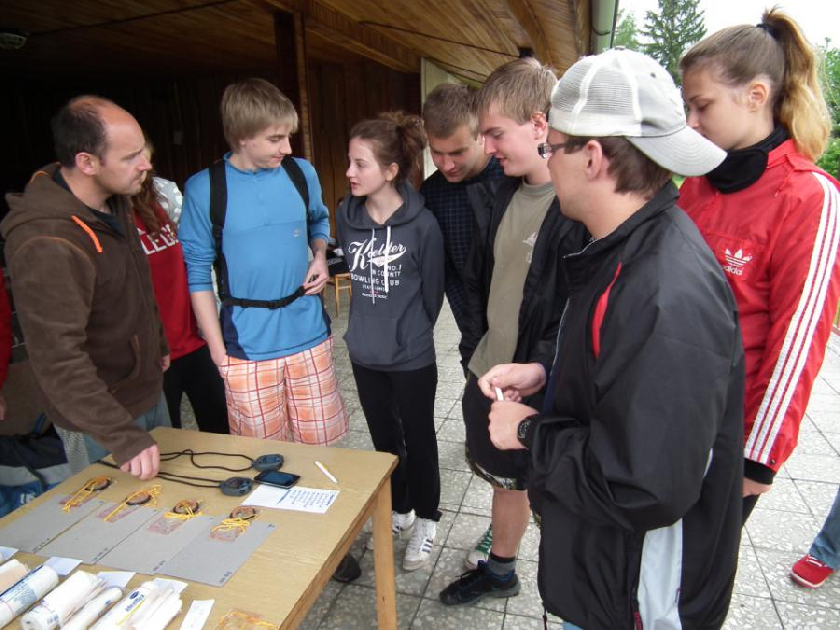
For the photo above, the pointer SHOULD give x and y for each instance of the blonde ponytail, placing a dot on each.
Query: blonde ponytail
(775, 49)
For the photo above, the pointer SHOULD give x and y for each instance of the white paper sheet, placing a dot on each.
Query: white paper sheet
(314, 500)
(62, 566)
(119, 579)
(176, 585)
(6, 553)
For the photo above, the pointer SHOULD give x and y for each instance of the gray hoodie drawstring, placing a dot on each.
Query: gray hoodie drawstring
(387, 249)
(370, 266)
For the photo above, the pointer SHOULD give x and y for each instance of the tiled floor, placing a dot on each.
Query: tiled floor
(778, 533)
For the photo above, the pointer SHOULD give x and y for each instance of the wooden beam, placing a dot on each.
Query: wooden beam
(336, 27)
(290, 40)
(523, 12)
(582, 12)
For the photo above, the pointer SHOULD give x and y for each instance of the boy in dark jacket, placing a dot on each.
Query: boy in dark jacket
(513, 294)
(457, 149)
(635, 460)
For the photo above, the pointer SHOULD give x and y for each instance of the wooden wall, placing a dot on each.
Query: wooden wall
(181, 116)
(341, 96)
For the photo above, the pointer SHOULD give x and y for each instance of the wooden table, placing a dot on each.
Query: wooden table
(285, 576)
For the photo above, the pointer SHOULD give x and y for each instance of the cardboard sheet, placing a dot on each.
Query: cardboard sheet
(42, 524)
(156, 542)
(93, 537)
(213, 557)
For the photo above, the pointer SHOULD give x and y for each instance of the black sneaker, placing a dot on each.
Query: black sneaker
(347, 570)
(477, 584)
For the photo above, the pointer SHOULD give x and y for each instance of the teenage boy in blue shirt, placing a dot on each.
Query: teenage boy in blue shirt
(273, 345)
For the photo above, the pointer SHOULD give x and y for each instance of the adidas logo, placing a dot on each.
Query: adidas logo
(735, 262)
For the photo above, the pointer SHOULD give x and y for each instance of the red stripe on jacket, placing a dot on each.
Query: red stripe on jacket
(600, 310)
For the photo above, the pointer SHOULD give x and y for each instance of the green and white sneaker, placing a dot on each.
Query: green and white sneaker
(400, 524)
(481, 551)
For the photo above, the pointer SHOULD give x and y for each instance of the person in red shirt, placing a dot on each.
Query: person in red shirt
(5, 341)
(771, 217)
(192, 370)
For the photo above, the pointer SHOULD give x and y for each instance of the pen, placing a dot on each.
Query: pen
(324, 470)
(499, 394)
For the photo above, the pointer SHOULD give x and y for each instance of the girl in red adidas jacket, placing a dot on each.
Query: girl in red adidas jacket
(771, 217)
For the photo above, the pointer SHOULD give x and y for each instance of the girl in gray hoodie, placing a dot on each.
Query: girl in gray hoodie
(394, 249)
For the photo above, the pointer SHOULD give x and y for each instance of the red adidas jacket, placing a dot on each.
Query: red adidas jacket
(777, 241)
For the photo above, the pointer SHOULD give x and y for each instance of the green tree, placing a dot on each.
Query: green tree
(830, 76)
(831, 82)
(627, 31)
(671, 30)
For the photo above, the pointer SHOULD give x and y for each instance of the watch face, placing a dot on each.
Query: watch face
(522, 429)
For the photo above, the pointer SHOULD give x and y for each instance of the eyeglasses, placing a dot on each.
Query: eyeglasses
(546, 149)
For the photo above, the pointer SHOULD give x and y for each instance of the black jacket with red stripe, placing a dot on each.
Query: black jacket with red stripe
(636, 460)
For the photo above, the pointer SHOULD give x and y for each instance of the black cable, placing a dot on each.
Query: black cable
(168, 457)
(168, 476)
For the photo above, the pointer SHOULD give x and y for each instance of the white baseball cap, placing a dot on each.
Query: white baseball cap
(625, 93)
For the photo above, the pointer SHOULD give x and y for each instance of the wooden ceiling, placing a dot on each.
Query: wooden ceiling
(466, 37)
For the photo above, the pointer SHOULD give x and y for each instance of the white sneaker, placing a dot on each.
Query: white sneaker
(420, 546)
(400, 524)
(481, 551)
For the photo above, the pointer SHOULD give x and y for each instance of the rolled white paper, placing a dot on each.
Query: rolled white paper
(89, 613)
(120, 614)
(26, 592)
(11, 572)
(62, 602)
(156, 615)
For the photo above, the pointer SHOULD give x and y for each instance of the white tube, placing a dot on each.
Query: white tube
(122, 612)
(26, 592)
(62, 602)
(88, 614)
(11, 572)
(165, 613)
(155, 615)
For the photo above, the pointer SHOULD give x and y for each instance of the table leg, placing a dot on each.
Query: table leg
(383, 559)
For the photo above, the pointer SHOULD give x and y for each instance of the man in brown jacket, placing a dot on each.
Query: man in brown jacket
(83, 292)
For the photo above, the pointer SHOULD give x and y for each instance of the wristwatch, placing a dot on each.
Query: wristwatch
(522, 429)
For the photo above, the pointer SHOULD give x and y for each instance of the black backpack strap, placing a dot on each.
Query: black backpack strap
(218, 209)
(295, 173)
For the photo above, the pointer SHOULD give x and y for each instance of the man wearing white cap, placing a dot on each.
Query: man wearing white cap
(636, 464)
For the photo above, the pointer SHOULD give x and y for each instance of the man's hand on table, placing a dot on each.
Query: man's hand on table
(145, 464)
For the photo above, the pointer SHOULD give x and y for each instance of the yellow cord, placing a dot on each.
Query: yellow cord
(82, 494)
(229, 524)
(185, 516)
(154, 491)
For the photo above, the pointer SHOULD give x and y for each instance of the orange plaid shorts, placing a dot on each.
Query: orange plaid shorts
(294, 398)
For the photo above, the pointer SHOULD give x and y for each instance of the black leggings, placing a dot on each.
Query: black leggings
(196, 375)
(400, 408)
(748, 507)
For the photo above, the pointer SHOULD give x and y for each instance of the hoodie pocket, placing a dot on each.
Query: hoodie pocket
(373, 340)
(134, 344)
